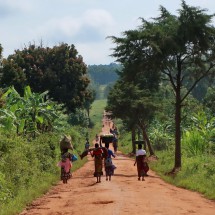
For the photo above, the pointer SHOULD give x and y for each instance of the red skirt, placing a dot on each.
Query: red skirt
(142, 165)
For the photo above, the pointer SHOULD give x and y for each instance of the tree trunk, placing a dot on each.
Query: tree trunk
(177, 131)
(133, 141)
(151, 151)
(177, 165)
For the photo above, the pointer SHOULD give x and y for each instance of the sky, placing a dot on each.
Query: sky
(84, 23)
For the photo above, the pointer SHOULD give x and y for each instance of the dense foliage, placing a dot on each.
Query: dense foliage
(29, 114)
(60, 70)
(161, 64)
(180, 48)
(103, 78)
(37, 84)
(104, 74)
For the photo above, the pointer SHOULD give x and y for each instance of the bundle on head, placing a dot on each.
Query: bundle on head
(65, 143)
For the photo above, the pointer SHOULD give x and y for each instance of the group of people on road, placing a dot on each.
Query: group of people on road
(99, 153)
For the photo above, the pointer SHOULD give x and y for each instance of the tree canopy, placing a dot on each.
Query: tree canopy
(60, 70)
(180, 48)
(104, 74)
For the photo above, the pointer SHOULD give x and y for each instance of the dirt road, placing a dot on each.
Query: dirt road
(124, 194)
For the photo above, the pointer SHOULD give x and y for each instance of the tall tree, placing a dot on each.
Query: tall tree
(60, 70)
(181, 47)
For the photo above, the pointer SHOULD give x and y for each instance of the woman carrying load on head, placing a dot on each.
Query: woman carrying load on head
(141, 164)
(97, 153)
(109, 167)
(65, 163)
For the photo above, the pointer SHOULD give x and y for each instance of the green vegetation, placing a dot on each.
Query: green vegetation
(165, 95)
(104, 74)
(174, 50)
(197, 173)
(58, 70)
(29, 114)
(29, 164)
(103, 77)
(161, 92)
(45, 93)
(98, 107)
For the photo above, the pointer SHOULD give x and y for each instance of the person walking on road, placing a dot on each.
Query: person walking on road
(87, 144)
(140, 161)
(65, 163)
(97, 153)
(109, 167)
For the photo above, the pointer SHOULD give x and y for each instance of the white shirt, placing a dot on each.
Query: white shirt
(140, 152)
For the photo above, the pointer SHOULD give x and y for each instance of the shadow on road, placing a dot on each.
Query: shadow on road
(124, 175)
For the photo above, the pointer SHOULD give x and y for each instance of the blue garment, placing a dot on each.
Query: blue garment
(109, 167)
(110, 153)
(87, 145)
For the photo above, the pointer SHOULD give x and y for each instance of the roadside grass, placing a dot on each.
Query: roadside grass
(39, 187)
(124, 142)
(32, 169)
(197, 173)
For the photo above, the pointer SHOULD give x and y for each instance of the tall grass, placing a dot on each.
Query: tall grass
(194, 143)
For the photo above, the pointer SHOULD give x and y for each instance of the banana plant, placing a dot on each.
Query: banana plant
(28, 114)
(200, 138)
(7, 120)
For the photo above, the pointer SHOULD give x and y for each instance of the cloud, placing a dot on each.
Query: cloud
(98, 18)
(11, 7)
(93, 25)
(96, 53)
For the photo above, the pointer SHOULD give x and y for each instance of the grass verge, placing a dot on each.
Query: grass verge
(197, 173)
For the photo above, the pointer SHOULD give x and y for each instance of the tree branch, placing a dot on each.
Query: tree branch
(194, 84)
(169, 74)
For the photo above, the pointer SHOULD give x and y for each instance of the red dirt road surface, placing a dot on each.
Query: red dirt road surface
(124, 194)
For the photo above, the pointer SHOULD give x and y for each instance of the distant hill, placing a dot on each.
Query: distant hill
(104, 74)
(103, 78)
